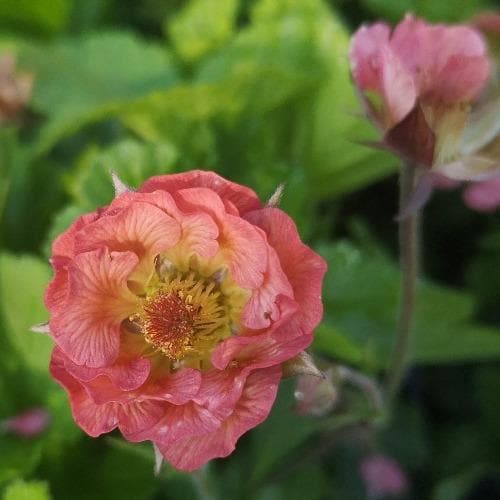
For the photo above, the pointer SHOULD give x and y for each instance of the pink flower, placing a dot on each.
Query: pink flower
(382, 476)
(173, 309)
(417, 84)
(28, 424)
(483, 196)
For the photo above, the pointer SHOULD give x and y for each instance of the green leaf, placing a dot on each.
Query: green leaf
(455, 10)
(40, 17)
(27, 490)
(120, 473)
(8, 156)
(22, 283)
(18, 457)
(361, 299)
(133, 162)
(261, 68)
(201, 27)
(282, 433)
(89, 78)
(457, 486)
(336, 161)
(268, 62)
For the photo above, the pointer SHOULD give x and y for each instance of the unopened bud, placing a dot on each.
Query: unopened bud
(314, 395)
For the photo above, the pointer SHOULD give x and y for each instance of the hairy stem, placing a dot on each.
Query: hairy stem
(408, 248)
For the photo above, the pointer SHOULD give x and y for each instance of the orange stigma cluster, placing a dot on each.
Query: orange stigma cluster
(169, 323)
(184, 315)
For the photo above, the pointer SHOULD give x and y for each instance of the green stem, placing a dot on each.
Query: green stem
(201, 482)
(408, 247)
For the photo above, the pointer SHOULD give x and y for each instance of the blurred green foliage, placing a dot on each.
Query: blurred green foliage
(260, 92)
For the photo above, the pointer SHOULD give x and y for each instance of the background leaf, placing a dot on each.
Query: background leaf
(32, 490)
(88, 78)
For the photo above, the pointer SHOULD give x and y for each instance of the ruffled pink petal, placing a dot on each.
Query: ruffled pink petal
(57, 291)
(177, 388)
(364, 54)
(461, 79)
(141, 228)
(243, 198)
(304, 268)
(449, 63)
(245, 250)
(176, 422)
(64, 244)
(398, 87)
(88, 327)
(262, 308)
(198, 231)
(231, 208)
(283, 341)
(93, 419)
(252, 408)
(264, 350)
(213, 402)
(483, 196)
(201, 199)
(126, 373)
(131, 416)
(136, 416)
(220, 390)
(242, 245)
(414, 43)
(377, 69)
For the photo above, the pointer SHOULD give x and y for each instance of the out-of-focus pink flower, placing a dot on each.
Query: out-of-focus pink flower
(417, 83)
(15, 90)
(481, 136)
(173, 310)
(382, 476)
(28, 424)
(483, 196)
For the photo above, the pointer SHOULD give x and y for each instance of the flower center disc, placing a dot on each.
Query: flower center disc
(185, 317)
(169, 323)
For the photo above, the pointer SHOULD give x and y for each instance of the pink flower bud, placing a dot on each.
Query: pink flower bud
(315, 395)
(382, 476)
(28, 424)
(417, 82)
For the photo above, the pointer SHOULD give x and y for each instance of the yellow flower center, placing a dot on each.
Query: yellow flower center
(185, 314)
(185, 317)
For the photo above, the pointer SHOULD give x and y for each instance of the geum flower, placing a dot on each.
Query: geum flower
(480, 146)
(482, 137)
(173, 310)
(418, 84)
